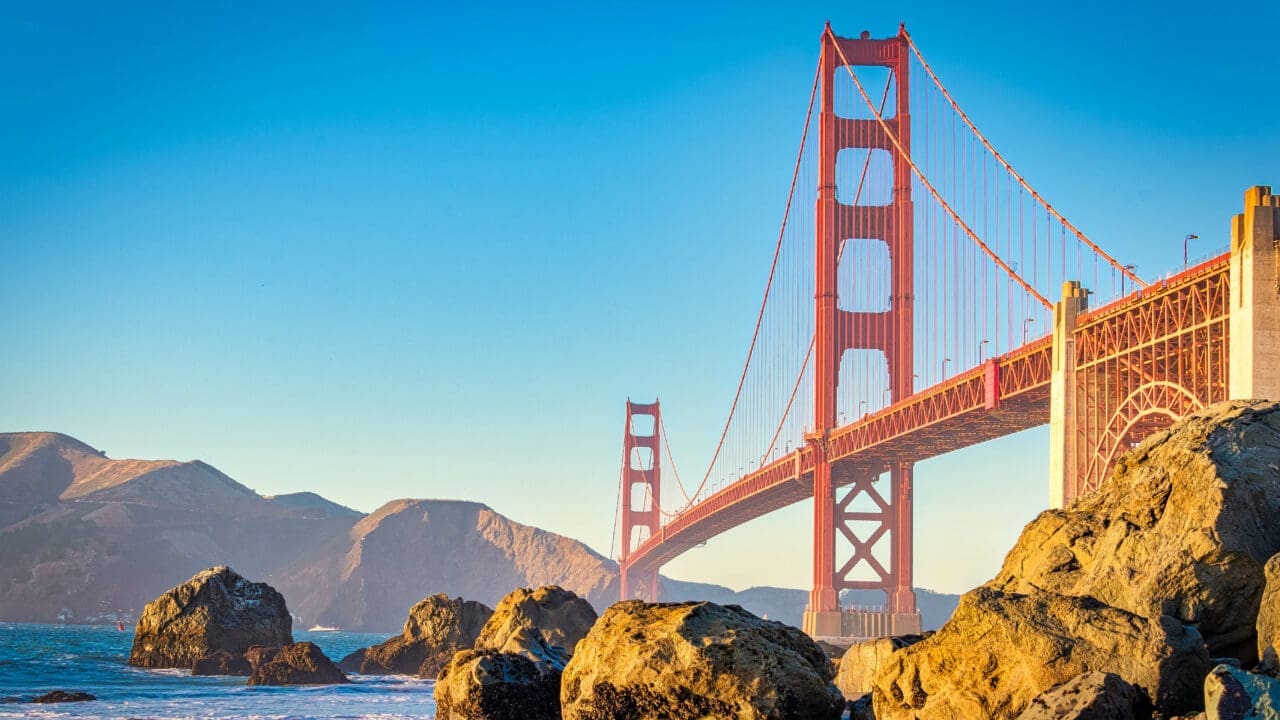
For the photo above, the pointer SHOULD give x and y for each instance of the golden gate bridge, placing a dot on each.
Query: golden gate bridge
(923, 297)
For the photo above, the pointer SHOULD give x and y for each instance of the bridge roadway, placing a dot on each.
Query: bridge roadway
(1000, 397)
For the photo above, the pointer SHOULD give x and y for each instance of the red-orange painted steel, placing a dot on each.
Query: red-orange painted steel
(955, 414)
(1140, 362)
(838, 330)
(641, 497)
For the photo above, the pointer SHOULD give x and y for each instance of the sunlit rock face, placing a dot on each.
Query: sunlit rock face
(1147, 578)
(558, 615)
(217, 609)
(697, 660)
(519, 682)
(437, 627)
(1184, 527)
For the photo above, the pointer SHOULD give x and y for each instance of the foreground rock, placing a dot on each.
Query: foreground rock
(862, 660)
(1000, 651)
(1091, 696)
(62, 696)
(696, 660)
(214, 610)
(298, 664)
(1184, 528)
(437, 627)
(559, 616)
(1232, 694)
(487, 684)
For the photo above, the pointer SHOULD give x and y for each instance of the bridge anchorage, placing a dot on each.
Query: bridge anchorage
(909, 316)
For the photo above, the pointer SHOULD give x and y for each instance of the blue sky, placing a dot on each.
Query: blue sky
(410, 251)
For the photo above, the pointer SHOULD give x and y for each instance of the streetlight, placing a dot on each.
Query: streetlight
(1186, 240)
(944, 367)
(1025, 321)
(1131, 268)
(861, 412)
(982, 350)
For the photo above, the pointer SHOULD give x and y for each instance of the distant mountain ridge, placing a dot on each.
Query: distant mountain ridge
(85, 535)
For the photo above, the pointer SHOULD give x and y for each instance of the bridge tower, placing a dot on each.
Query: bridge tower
(839, 330)
(641, 495)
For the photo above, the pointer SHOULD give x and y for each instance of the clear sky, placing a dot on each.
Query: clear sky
(409, 251)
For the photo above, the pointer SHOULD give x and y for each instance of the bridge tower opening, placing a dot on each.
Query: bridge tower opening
(641, 495)
(839, 330)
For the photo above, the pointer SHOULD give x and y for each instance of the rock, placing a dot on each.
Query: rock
(696, 660)
(298, 664)
(863, 659)
(353, 662)
(1183, 528)
(835, 652)
(561, 617)
(1268, 625)
(260, 655)
(221, 662)
(437, 627)
(214, 610)
(1000, 651)
(62, 696)
(495, 685)
(1091, 696)
(862, 709)
(1232, 694)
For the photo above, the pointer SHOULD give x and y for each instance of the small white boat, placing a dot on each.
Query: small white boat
(324, 628)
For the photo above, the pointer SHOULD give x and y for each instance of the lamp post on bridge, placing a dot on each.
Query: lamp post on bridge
(1131, 268)
(982, 350)
(1029, 320)
(1186, 240)
(944, 368)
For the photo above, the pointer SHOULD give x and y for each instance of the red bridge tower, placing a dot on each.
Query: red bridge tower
(839, 330)
(641, 494)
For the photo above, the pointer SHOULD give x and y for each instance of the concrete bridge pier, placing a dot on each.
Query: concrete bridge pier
(1062, 393)
(1255, 298)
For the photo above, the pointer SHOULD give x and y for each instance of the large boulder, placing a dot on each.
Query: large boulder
(214, 610)
(1232, 694)
(298, 664)
(684, 661)
(521, 682)
(862, 660)
(558, 615)
(437, 627)
(1000, 651)
(1091, 696)
(1183, 528)
(1268, 624)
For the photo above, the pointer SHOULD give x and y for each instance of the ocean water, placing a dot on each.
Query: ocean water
(35, 659)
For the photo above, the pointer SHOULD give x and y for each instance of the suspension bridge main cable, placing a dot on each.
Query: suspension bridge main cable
(897, 144)
(773, 266)
(1009, 168)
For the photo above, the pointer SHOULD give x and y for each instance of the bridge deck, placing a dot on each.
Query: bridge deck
(932, 422)
(1000, 397)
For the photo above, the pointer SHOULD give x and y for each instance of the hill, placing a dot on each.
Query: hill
(83, 535)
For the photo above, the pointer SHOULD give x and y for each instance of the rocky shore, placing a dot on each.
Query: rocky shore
(1156, 597)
